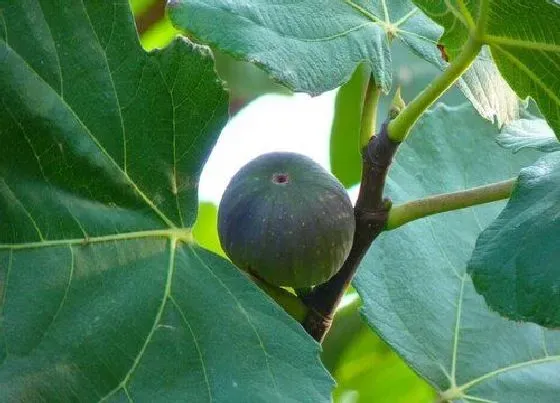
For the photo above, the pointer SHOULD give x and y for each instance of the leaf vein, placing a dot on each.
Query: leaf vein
(493, 40)
(520, 365)
(56, 55)
(157, 319)
(27, 212)
(62, 301)
(530, 74)
(244, 312)
(196, 345)
(113, 87)
(456, 333)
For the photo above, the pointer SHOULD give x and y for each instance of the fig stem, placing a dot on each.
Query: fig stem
(290, 302)
(371, 213)
(371, 210)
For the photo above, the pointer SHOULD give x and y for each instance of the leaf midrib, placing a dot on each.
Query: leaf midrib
(166, 293)
(182, 234)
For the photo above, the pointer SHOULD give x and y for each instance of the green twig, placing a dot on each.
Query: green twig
(416, 209)
(399, 127)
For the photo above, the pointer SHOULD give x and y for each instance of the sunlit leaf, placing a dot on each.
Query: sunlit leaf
(205, 230)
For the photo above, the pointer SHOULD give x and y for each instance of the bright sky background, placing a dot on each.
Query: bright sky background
(297, 123)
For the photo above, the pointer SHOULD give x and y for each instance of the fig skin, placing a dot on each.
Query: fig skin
(287, 220)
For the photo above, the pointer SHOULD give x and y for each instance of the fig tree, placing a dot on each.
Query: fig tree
(287, 220)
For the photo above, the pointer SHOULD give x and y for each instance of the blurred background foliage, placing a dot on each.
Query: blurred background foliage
(364, 366)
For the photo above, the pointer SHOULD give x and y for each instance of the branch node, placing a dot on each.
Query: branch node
(373, 216)
(381, 149)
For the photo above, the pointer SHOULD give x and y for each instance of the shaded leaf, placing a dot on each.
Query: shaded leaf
(244, 81)
(415, 291)
(103, 294)
(515, 264)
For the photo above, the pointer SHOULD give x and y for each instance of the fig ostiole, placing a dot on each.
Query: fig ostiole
(286, 220)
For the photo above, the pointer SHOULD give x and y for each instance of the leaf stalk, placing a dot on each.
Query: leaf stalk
(401, 125)
(417, 209)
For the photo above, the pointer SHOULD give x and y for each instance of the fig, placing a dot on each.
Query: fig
(286, 220)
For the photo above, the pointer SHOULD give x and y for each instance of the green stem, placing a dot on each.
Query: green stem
(369, 113)
(290, 302)
(482, 21)
(401, 125)
(399, 128)
(416, 209)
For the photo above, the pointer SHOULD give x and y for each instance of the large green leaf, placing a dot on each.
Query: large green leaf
(415, 291)
(315, 45)
(243, 80)
(516, 261)
(103, 293)
(524, 38)
(311, 46)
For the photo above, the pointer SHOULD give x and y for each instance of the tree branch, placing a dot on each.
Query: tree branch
(370, 212)
(416, 209)
(154, 13)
